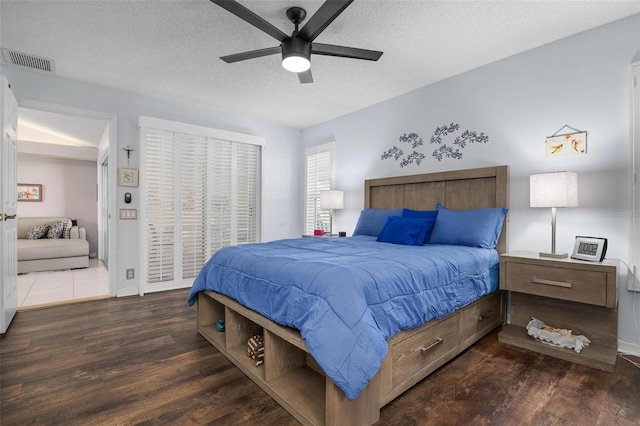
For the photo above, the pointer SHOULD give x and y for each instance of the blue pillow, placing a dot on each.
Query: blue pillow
(429, 215)
(474, 228)
(371, 221)
(404, 230)
(423, 214)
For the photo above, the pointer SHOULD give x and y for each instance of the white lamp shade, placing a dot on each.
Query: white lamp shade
(333, 199)
(559, 189)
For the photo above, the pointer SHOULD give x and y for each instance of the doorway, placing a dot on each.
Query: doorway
(102, 256)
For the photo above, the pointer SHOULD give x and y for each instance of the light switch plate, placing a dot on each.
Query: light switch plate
(128, 214)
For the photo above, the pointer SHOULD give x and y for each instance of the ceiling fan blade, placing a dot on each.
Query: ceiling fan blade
(345, 52)
(251, 54)
(305, 76)
(322, 18)
(246, 15)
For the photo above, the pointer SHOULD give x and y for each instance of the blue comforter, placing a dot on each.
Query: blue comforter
(347, 296)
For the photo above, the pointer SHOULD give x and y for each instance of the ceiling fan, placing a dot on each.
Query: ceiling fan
(297, 48)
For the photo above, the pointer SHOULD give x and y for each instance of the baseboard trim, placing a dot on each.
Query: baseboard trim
(129, 291)
(628, 348)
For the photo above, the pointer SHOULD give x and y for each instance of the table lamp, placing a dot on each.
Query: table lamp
(559, 189)
(332, 199)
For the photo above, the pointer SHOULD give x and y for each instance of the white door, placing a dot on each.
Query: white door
(104, 212)
(8, 197)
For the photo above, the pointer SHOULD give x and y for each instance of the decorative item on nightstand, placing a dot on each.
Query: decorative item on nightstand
(559, 189)
(331, 200)
(593, 249)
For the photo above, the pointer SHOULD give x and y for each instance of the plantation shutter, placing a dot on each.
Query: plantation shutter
(220, 202)
(318, 177)
(247, 202)
(194, 207)
(201, 193)
(159, 196)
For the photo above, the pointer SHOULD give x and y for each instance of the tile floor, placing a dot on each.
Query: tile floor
(47, 288)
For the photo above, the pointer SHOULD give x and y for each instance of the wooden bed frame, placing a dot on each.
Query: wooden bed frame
(291, 376)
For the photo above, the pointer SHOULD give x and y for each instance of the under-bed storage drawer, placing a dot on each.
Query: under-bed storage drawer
(480, 317)
(418, 349)
(585, 286)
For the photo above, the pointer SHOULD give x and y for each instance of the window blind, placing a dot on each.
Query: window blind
(200, 194)
(318, 177)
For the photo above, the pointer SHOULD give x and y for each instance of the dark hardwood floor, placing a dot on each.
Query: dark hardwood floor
(138, 360)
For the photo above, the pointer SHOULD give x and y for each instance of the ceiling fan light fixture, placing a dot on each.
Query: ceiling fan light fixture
(296, 54)
(296, 63)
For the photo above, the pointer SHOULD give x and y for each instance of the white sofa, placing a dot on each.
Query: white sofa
(50, 254)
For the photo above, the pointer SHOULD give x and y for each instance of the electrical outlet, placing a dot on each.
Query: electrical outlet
(130, 274)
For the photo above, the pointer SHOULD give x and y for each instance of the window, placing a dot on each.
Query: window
(201, 191)
(318, 177)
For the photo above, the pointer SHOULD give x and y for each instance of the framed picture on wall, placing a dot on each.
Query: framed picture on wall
(29, 192)
(127, 177)
(572, 143)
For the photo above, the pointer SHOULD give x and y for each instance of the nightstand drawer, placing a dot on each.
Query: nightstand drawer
(558, 283)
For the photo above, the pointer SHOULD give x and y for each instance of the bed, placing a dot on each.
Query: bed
(329, 377)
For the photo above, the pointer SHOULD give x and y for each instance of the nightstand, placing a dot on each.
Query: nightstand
(576, 295)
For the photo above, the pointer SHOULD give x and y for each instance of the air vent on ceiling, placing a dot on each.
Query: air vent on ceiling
(13, 57)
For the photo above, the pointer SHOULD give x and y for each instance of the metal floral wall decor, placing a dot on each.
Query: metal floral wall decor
(443, 151)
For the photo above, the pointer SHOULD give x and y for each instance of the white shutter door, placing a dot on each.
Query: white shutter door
(220, 203)
(247, 171)
(201, 194)
(159, 192)
(193, 217)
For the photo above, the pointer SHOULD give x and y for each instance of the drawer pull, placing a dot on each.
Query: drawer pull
(551, 282)
(480, 317)
(426, 349)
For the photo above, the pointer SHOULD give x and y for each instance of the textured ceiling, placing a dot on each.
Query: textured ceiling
(171, 49)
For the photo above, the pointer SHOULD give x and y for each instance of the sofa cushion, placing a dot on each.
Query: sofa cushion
(66, 231)
(26, 223)
(55, 229)
(37, 232)
(51, 248)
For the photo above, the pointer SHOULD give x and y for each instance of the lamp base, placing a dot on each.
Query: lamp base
(554, 255)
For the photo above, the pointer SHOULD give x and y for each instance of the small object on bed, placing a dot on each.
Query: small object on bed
(553, 336)
(255, 349)
(220, 326)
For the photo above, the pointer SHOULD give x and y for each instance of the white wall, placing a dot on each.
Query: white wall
(582, 81)
(68, 188)
(281, 183)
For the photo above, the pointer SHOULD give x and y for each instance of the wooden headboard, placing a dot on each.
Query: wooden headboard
(456, 190)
